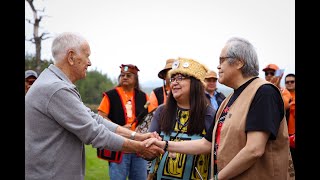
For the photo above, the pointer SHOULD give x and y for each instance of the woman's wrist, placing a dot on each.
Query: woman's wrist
(139, 137)
(166, 146)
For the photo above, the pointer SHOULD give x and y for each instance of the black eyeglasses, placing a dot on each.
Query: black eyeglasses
(269, 72)
(177, 78)
(222, 59)
(290, 82)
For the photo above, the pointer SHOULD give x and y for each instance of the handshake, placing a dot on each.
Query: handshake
(150, 146)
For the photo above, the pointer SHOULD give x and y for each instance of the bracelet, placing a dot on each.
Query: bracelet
(166, 146)
(133, 134)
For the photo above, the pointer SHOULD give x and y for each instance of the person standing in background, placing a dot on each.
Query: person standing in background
(159, 95)
(30, 77)
(212, 94)
(290, 83)
(270, 71)
(58, 124)
(124, 105)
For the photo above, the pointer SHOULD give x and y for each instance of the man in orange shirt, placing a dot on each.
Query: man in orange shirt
(290, 82)
(125, 105)
(269, 71)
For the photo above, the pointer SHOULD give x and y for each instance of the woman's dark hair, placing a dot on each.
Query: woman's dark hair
(197, 112)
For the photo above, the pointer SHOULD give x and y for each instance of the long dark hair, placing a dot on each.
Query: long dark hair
(198, 106)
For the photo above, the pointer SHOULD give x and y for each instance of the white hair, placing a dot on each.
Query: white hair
(65, 41)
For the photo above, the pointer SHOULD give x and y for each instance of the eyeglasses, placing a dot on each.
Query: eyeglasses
(178, 78)
(269, 72)
(290, 82)
(222, 59)
(128, 75)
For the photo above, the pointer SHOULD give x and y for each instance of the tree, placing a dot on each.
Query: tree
(31, 63)
(37, 39)
(92, 87)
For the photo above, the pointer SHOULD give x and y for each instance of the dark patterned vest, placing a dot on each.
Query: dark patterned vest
(159, 94)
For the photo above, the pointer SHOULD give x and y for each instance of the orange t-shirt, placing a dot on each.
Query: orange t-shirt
(286, 96)
(153, 98)
(292, 116)
(125, 97)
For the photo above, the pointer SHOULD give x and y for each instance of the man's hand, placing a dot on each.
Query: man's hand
(151, 151)
(144, 136)
(276, 80)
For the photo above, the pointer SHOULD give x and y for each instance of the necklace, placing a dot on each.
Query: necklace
(128, 105)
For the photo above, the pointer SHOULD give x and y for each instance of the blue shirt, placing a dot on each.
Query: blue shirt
(213, 100)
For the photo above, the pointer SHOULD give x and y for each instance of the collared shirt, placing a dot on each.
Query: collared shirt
(57, 125)
(213, 100)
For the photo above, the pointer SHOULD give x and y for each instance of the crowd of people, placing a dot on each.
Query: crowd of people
(194, 130)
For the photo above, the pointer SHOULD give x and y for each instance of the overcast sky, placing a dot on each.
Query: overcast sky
(148, 32)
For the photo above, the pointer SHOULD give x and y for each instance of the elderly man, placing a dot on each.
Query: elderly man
(58, 124)
(249, 139)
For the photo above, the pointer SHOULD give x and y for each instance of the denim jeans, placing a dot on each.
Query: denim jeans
(131, 166)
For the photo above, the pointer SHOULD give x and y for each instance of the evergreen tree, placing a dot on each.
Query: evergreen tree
(92, 87)
(31, 63)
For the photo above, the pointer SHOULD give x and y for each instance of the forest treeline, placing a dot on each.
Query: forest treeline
(90, 88)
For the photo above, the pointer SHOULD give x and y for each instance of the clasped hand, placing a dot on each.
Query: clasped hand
(150, 151)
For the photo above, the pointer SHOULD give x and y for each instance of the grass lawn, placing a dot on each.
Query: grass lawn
(96, 169)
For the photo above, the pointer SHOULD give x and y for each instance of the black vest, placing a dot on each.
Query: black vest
(159, 94)
(116, 113)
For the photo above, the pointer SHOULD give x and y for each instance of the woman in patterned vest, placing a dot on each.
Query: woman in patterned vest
(187, 115)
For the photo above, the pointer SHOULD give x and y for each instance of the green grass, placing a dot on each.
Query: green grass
(96, 169)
